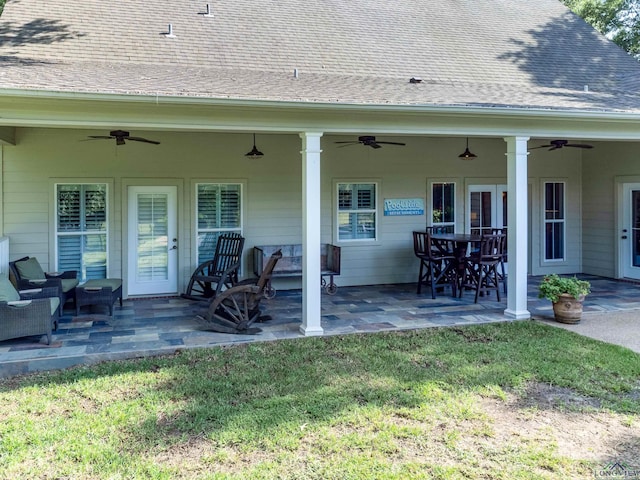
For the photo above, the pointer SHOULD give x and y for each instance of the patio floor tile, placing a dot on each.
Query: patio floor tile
(156, 326)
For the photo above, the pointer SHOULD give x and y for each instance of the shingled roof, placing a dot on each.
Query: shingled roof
(484, 53)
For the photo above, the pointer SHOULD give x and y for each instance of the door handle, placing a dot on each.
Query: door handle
(624, 237)
(175, 247)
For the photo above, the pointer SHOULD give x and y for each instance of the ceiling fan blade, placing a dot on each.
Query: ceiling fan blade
(140, 139)
(578, 145)
(541, 146)
(100, 137)
(368, 141)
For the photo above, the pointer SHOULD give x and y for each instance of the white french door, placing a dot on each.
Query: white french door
(630, 235)
(153, 240)
(486, 208)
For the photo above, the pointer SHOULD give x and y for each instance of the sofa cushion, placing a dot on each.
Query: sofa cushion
(8, 293)
(69, 284)
(55, 302)
(30, 269)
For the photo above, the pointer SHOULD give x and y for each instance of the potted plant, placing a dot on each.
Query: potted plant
(566, 294)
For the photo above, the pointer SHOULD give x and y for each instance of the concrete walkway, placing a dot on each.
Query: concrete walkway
(616, 327)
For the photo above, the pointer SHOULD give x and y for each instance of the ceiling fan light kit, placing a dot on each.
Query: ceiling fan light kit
(254, 153)
(369, 141)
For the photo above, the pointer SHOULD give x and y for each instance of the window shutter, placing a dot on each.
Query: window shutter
(68, 208)
(95, 197)
(69, 248)
(207, 206)
(345, 197)
(365, 198)
(94, 256)
(207, 245)
(152, 215)
(229, 206)
(219, 210)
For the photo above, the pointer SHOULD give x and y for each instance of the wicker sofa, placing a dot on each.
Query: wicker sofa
(28, 312)
(29, 274)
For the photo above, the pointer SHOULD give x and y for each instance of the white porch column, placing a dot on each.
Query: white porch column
(311, 293)
(1, 191)
(517, 200)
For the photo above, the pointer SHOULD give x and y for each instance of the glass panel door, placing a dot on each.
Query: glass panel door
(635, 228)
(630, 234)
(152, 240)
(486, 208)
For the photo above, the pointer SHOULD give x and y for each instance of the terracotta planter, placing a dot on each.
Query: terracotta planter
(568, 309)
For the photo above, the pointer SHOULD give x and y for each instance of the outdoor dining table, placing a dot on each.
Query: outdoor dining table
(461, 243)
(461, 240)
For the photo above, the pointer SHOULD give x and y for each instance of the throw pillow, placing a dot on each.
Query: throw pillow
(7, 291)
(30, 269)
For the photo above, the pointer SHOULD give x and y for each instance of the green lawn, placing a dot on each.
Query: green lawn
(398, 405)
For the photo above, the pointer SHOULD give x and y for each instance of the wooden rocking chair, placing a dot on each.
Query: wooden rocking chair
(212, 276)
(234, 310)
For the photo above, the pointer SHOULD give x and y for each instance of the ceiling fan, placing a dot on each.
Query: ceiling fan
(369, 141)
(556, 144)
(121, 136)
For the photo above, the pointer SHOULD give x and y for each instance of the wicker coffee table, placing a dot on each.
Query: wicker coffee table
(102, 292)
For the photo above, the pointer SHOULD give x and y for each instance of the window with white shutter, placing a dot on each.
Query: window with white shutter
(81, 229)
(357, 211)
(554, 221)
(218, 210)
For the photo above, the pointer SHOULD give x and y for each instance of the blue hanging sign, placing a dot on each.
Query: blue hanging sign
(403, 206)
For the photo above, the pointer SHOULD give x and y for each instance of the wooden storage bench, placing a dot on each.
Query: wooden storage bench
(104, 291)
(290, 265)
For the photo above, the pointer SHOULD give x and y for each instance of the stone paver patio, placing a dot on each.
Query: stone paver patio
(158, 326)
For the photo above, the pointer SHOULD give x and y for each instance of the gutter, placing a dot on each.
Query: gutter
(535, 112)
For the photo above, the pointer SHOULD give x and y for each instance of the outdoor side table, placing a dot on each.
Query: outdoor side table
(104, 292)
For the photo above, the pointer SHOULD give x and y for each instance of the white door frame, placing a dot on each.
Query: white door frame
(156, 287)
(624, 232)
(497, 212)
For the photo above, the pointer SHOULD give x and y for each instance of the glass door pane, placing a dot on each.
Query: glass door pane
(153, 242)
(481, 212)
(635, 228)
